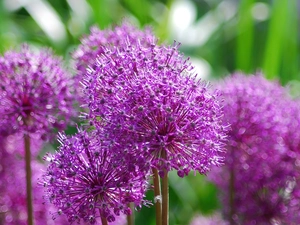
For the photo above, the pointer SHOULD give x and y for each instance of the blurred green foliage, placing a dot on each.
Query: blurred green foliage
(245, 35)
(257, 35)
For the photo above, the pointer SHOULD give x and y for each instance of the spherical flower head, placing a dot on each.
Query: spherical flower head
(34, 92)
(149, 101)
(258, 181)
(85, 182)
(13, 207)
(94, 44)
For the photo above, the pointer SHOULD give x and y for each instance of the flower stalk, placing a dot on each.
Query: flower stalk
(231, 196)
(104, 221)
(165, 199)
(28, 179)
(157, 197)
(130, 217)
(165, 194)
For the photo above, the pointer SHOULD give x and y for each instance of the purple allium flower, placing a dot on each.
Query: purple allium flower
(150, 103)
(86, 181)
(34, 92)
(95, 43)
(13, 207)
(260, 179)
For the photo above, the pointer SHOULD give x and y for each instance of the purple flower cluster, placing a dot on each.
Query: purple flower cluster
(34, 92)
(13, 207)
(149, 102)
(260, 179)
(87, 181)
(146, 110)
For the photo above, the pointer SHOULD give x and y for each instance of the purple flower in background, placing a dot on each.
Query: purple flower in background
(34, 92)
(259, 181)
(11, 141)
(292, 141)
(215, 219)
(151, 104)
(13, 207)
(86, 181)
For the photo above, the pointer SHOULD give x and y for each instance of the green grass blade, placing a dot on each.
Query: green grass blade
(245, 34)
(102, 12)
(290, 62)
(274, 44)
(140, 9)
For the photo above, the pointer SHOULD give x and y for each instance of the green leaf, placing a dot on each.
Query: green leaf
(140, 9)
(274, 44)
(245, 30)
(102, 12)
(290, 59)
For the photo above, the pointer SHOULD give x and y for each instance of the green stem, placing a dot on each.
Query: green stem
(231, 197)
(28, 179)
(130, 218)
(157, 196)
(165, 194)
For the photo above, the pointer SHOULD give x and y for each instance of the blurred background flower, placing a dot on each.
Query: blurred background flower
(215, 219)
(259, 181)
(13, 207)
(35, 96)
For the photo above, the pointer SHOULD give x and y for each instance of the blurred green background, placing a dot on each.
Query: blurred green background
(220, 37)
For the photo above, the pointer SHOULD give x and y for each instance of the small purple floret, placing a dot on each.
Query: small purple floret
(96, 42)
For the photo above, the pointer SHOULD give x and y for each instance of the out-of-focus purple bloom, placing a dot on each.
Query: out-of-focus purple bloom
(215, 219)
(150, 103)
(13, 207)
(260, 179)
(86, 181)
(34, 92)
(14, 144)
(292, 141)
